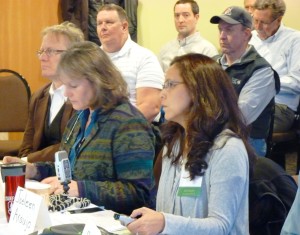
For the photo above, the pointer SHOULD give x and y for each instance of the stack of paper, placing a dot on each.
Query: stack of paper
(104, 219)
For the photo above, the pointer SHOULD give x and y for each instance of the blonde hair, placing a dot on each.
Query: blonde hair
(86, 60)
(67, 29)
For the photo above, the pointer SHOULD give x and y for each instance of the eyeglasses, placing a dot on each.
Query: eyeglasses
(49, 52)
(169, 84)
(256, 22)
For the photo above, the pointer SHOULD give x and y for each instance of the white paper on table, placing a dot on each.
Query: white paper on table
(5, 230)
(91, 228)
(104, 219)
(29, 212)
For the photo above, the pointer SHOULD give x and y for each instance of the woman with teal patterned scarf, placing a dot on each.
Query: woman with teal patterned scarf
(109, 142)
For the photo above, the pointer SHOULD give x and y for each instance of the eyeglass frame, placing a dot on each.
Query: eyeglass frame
(263, 23)
(49, 52)
(169, 84)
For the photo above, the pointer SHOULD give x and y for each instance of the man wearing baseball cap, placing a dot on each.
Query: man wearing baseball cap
(253, 78)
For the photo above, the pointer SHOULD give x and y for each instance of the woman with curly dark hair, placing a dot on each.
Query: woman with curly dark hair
(206, 160)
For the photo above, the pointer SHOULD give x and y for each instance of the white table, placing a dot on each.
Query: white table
(102, 219)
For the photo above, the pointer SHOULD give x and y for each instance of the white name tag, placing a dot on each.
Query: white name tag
(29, 212)
(188, 187)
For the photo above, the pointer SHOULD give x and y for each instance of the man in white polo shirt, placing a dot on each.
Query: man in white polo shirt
(138, 65)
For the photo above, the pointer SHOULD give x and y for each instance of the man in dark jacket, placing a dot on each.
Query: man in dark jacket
(253, 78)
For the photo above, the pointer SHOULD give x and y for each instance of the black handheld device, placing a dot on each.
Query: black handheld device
(85, 210)
(124, 219)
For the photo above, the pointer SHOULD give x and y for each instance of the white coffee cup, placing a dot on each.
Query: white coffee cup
(39, 188)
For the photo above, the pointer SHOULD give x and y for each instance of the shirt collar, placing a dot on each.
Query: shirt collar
(187, 40)
(123, 50)
(58, 91)
(273, 37)
(223, 60)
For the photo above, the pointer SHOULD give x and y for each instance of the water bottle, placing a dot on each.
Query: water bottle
(13, 174)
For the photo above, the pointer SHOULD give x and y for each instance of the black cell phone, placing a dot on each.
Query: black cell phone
(86, 210)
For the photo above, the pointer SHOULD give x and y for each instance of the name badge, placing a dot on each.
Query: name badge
(188, 187)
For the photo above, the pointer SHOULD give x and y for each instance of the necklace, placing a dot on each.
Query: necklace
(59, 202)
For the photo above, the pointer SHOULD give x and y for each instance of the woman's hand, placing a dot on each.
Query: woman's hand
(57, 187)
(31, 170)
(150, 223)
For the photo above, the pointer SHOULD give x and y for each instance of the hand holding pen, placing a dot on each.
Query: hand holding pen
(146, 222)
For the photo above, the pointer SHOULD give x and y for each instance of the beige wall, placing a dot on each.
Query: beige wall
(21, 22)
(156, 25)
